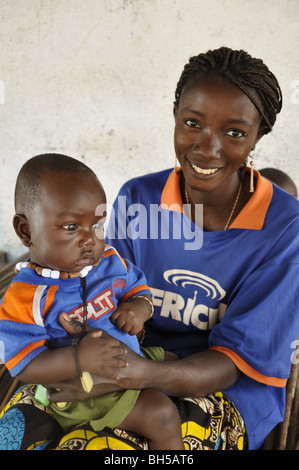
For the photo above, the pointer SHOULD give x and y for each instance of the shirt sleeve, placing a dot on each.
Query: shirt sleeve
(135, 280)
(261, 321)
(22, 331)
(136, 283)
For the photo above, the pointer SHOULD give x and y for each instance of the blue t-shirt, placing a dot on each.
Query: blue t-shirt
(29, 310)
(235, 291)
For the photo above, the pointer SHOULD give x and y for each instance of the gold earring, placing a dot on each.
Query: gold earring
(251, 188)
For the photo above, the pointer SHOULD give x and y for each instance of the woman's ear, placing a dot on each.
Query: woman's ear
(21, 226)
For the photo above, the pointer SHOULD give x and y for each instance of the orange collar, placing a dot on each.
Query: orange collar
(252, 216)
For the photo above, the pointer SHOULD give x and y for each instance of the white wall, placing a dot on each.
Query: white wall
(95, 79)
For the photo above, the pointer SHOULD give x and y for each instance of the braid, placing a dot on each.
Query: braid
(251, 75)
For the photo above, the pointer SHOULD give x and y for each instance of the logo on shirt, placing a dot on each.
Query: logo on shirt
(188, 310)
(184, 277)
(100, 305)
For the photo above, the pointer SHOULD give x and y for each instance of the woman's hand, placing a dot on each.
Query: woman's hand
(127, 364)
(99, 353)
(127, 377)
(71, 389)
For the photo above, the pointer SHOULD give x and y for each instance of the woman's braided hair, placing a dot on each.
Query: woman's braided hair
(251, 75)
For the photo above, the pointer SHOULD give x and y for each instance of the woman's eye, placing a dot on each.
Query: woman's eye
(70, 227)
(192, 123)
(236, 133)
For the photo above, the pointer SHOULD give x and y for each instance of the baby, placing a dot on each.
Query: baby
(281, 179)
(71, 270)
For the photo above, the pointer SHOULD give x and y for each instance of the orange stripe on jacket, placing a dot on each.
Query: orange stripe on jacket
(18, 357)
(248, 370)
(253, 215)
(17, 303)
(134, 291)
(111, 251)
(171, 193)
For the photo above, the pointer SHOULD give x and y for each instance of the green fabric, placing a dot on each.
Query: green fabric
(153, 353)
(100, 412)
(105, 411)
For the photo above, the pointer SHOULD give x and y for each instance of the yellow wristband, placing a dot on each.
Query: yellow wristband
(85, 377)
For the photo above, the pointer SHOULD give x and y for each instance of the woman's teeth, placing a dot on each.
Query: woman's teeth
(204, 171)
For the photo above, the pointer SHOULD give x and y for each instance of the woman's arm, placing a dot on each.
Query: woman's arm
(197, 375)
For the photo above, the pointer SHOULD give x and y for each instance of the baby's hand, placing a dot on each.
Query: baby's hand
(130, 316)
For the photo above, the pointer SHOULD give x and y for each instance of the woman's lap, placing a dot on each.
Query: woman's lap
(207, 423)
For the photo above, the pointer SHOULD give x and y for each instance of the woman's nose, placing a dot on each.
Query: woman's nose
(207, 145)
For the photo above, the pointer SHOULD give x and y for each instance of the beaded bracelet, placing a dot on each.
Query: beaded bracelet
(85, 377)
(148, 300)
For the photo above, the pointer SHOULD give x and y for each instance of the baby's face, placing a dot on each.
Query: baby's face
(66, 234)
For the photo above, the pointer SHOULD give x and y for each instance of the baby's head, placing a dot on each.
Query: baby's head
(282, 180)
(57, 202)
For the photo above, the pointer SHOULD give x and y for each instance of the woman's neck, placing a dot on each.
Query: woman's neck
(221, 205)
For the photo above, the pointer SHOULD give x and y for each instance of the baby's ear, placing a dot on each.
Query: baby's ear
(22, 229)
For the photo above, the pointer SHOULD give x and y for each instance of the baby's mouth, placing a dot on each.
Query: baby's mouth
(86, 259)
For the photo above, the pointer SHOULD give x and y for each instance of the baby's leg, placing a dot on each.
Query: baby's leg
(155, 417)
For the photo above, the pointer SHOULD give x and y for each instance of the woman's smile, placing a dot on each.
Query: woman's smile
(203, 171)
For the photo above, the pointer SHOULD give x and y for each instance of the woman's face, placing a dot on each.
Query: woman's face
(216, 127)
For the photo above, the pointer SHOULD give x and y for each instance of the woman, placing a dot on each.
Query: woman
(225, 280)
(220, 306)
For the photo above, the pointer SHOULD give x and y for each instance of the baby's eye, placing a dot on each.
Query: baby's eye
(236, 133)
(70, 227)
(192, 123)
